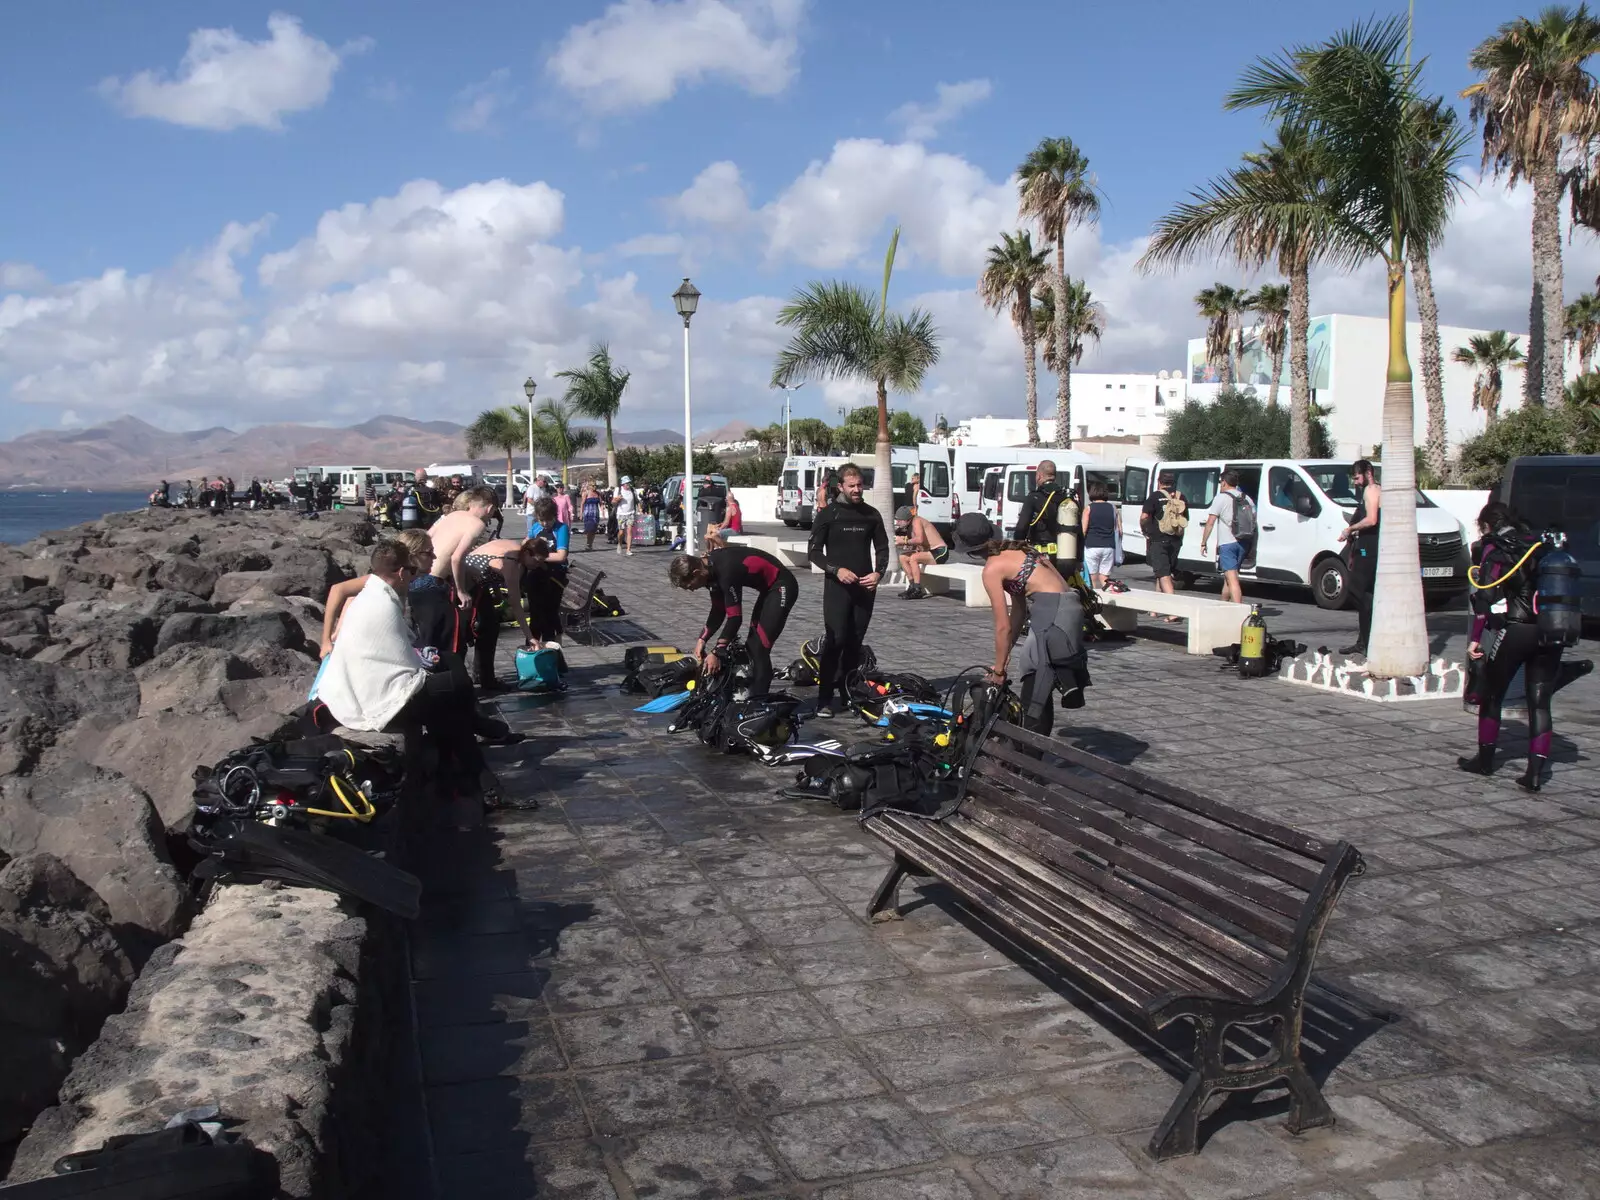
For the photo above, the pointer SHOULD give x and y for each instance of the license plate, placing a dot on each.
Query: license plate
(1438, 572)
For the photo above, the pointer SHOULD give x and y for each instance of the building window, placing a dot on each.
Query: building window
(1108, 387)
(1108, 408)
(1123, 386)
(1159, 401)
(1123, 409)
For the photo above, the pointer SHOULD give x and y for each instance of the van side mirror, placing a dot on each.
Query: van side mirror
(1306, 505)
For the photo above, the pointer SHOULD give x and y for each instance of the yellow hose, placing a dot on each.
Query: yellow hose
(1483, 587)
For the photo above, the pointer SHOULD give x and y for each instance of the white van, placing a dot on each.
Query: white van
(804, 474)
(1005, 488)
(969, 464)
(1300, 508)
(797, 486)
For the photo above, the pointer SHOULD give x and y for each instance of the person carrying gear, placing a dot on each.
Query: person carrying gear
(851, 547)
(727, 573)
(920, 546)
(1506, 636)
(1040, 523)
(1053, 658)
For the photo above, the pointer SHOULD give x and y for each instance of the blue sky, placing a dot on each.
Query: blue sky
(524, 178)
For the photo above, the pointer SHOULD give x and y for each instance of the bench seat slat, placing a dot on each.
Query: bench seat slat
(1200, 919)
(1134, 981)
(1106, 836)
(1195, 954)
(1278, 834)
(1152, 808)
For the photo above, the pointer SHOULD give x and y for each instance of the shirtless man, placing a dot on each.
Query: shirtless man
(454, 536)
(920, 546)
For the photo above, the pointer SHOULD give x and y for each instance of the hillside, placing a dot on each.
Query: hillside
(129, 452)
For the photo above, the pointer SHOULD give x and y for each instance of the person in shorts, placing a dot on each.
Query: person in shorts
(1161, 546)
(1231, 552)
(1102, 523)
(920, 547)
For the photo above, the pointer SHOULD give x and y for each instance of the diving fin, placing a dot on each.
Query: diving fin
(667, 703)
(248, 851)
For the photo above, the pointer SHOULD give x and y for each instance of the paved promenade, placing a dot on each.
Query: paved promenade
(661, 985)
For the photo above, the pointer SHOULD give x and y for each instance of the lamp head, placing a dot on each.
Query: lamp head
(686, 299)
(529, 387)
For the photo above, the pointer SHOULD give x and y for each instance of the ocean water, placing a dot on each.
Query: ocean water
(25, 514)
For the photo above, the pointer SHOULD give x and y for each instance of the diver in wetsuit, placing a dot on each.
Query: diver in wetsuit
(1505, 636)
(727, 573)
(851, 546)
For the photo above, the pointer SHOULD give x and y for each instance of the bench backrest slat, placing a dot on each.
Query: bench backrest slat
(1240, 963)
(1269, 831)
(1058, 837)
(1156, 810)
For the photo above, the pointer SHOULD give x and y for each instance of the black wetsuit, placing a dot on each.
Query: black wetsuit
(1361, 559)
(1505, 626)
(852, 537)
(1039, 524)
(733, 570)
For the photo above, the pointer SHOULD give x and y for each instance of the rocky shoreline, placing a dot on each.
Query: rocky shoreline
(132, 649)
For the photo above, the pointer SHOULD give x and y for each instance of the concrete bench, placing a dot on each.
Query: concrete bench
(1210, 623)
(967, 577)
(791, 554)
(756, 541)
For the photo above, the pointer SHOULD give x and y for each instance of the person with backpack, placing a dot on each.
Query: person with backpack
(1162, 521)
(1234, 518)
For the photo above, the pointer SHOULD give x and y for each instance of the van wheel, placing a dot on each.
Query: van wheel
(1185, 579)
(1330, 584)
(789, 523)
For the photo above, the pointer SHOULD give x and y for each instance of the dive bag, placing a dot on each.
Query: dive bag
(539, 670)
(320, 776)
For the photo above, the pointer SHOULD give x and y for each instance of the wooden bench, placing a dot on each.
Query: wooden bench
(1168, 904)
(577, 598)
(1209, 623)
(968, 577)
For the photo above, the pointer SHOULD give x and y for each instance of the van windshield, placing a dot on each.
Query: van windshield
(791, 480)
(1021, 483)
(1334, 480)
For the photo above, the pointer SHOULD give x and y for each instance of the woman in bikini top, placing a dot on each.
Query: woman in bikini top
(501, 562)
(1012, 569)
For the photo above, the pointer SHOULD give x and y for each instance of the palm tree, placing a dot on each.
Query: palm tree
(499, 429)
(1058, 193)
(1013, 271)
(1357, 98)
(1583, 329)
(843, 332)
(1274, 207)
(595, 391)
(1222, 305)
(1435, 123)
(1488, 354)
(1534, 96)
(555, 435)
(1081, 321)
(1270, 302)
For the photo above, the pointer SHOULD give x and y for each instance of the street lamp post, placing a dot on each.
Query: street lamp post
(528, 388)
(686, 299)
(788, 440)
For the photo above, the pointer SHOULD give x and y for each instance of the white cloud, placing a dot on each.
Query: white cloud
(921, 122)
(717, 198)
(477, 104)
(226, 81)
(639, 52)
(650, 244)
(21, 277)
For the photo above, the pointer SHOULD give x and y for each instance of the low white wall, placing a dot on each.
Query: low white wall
(1464, 504)
(759, 504)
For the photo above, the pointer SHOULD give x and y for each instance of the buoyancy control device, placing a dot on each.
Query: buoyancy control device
(1558, 599)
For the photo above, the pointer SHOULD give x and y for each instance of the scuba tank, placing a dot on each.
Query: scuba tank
(1253, 645)
(1557, 600)
(410, 511)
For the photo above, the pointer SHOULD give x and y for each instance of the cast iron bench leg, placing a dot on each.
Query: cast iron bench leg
(885, 904)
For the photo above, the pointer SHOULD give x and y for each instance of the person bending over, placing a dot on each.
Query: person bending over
(375, 678)
(727, 573)
(454, 535)
(851, 547)
(497, 569)
(921, 546)
(1053, 657)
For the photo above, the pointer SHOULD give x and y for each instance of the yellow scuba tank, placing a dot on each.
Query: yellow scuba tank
(1253, 645)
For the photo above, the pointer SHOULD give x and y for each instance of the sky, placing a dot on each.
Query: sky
(221, 212)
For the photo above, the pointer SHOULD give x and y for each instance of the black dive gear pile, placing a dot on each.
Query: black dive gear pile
(244, 851)
(315, 777)
(183, 1162)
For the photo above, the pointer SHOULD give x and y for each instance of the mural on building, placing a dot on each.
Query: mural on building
(1255, 367)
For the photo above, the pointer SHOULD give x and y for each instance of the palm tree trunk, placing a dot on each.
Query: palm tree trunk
(1398, 646)
(1277, 373)
(883, 498)
(510, 502)
(1031, 360)
(1547, 318)
(611, 457)
(1299, 360)
(1063, 363)
(1432, 362)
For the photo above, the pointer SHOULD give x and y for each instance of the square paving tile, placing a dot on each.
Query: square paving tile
(814, 1073)
(674, 937)
(675, 902)
(727, 974)
(503, 1114)
(1083, 1169)
(587, 945)
(806, 924)
(883, 1005)
(624, 1099)
(931, 1057)
(462, 1053)
(702, 1163)
(777, 891)
(851, 1138)
(922, 1185)
(1469, 1110)
(740, 1022)
(625, 1035)
(571, 1171)
(573, 989)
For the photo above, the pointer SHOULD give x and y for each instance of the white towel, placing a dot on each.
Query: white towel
(374, 669)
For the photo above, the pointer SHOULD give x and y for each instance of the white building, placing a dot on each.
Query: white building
(1103, 406)
(1349, 358)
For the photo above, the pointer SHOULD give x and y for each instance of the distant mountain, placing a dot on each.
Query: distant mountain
(129, 452)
